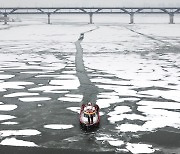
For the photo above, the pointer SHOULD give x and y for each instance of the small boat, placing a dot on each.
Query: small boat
(89, 116)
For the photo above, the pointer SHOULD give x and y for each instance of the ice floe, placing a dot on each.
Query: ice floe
(130, 128)
(116, 143)
(21, 94)
(3, 76)
(13, 85)
(138, 148)
(168, 94)
(120, 110)
(9, 123)
(25, 132)
(58, 126)
(34, 99)
(158, 118)
(50, 89)
(66, 84)
(7, 107)
(104, 103)
(160, 105)
(15, 142)
(6, 117)
(116, 118)
(105, 137)
(71, 98)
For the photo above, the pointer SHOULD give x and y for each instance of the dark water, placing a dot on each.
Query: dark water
(134, 78)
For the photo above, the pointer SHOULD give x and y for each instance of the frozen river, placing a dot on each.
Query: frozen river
(131, 71)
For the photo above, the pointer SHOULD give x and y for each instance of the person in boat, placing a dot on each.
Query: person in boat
(90, 109)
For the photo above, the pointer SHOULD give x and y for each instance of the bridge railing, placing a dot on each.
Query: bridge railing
(131, 11)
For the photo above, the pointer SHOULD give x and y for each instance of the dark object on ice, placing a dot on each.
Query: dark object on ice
(81, 37)
(89, 116)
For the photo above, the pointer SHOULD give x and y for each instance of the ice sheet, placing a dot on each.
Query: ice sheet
(8, 107)
(21, 94)
(3, 76)
(58, 126)
(6, 117)
(9, 123)
(49, 89)
(139, 148)
(15, 142)
(34, 99)
(25, 132)
(13, 85)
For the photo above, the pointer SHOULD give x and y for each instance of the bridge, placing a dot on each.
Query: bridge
(131, 11)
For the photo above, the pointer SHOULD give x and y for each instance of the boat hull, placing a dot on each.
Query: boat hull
(84, 121)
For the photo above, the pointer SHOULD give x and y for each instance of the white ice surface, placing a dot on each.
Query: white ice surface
(44, 62)
(25, 132)
(71, 98)
(138, 148)
(3, 76)
(9, 123)
(34, 99)
(66, 84)
(13, 85)
(159, 118)
(142, 70)
(42, 32)
(49, 89)
(6, 117)
(66, 77)
(104, 103)
(105, 137)
(116, 118)
(160, 105)
(58, 126)
(120, 110)
(130, 128)
(116, 143)
(170, 94)
(20, 94)
(15, 142)
(8, 107)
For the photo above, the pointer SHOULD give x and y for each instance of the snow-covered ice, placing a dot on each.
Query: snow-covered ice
(15, 142)
(8, 107)
(25, 132)
(58, 126)
(34, 99)
(135, 69)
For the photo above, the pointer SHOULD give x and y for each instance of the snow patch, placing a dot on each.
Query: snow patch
(9, 123)
(139, 148)
(8, 107)
(15, 142)
(6, 117)
(21, 94)
(3, 76)
(116, 143)
(58, 126)
(34, 99)
(25, 132)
